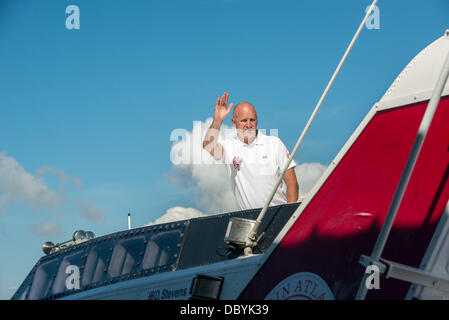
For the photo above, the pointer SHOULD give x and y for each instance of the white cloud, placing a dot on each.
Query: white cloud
(176, 214)
(212, 189)
(17, 185)
(48, 229)
(90, 210)
(21, 187)
(209, 184)
(307, 175)
(63, 177)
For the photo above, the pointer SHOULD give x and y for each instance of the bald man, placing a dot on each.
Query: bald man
(253, 160)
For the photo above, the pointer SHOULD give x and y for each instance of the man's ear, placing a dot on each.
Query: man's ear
(233, 122)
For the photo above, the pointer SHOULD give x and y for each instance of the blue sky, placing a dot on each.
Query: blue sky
(86, 115)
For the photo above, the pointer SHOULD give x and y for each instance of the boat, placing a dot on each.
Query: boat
(320, 248)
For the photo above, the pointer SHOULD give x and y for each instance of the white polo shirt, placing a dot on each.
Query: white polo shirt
(255, 168)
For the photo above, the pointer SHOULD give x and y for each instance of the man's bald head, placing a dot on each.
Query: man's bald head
(243, 107)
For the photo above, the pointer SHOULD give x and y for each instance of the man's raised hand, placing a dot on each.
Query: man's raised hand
(221, 107)
(210, 142)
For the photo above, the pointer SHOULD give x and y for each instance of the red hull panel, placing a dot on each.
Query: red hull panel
(344, 218)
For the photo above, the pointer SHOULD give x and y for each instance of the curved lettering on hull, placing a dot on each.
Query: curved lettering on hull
(301, 286)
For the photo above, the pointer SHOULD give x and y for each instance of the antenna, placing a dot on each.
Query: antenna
(129, 220)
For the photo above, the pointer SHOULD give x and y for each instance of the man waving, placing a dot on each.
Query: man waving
(253, 160)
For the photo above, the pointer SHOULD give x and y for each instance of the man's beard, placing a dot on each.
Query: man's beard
(247, 136)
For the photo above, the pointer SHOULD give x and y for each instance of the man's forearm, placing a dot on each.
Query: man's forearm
(212, 133)
(292, 185)
(292, 192)
(210, 143)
